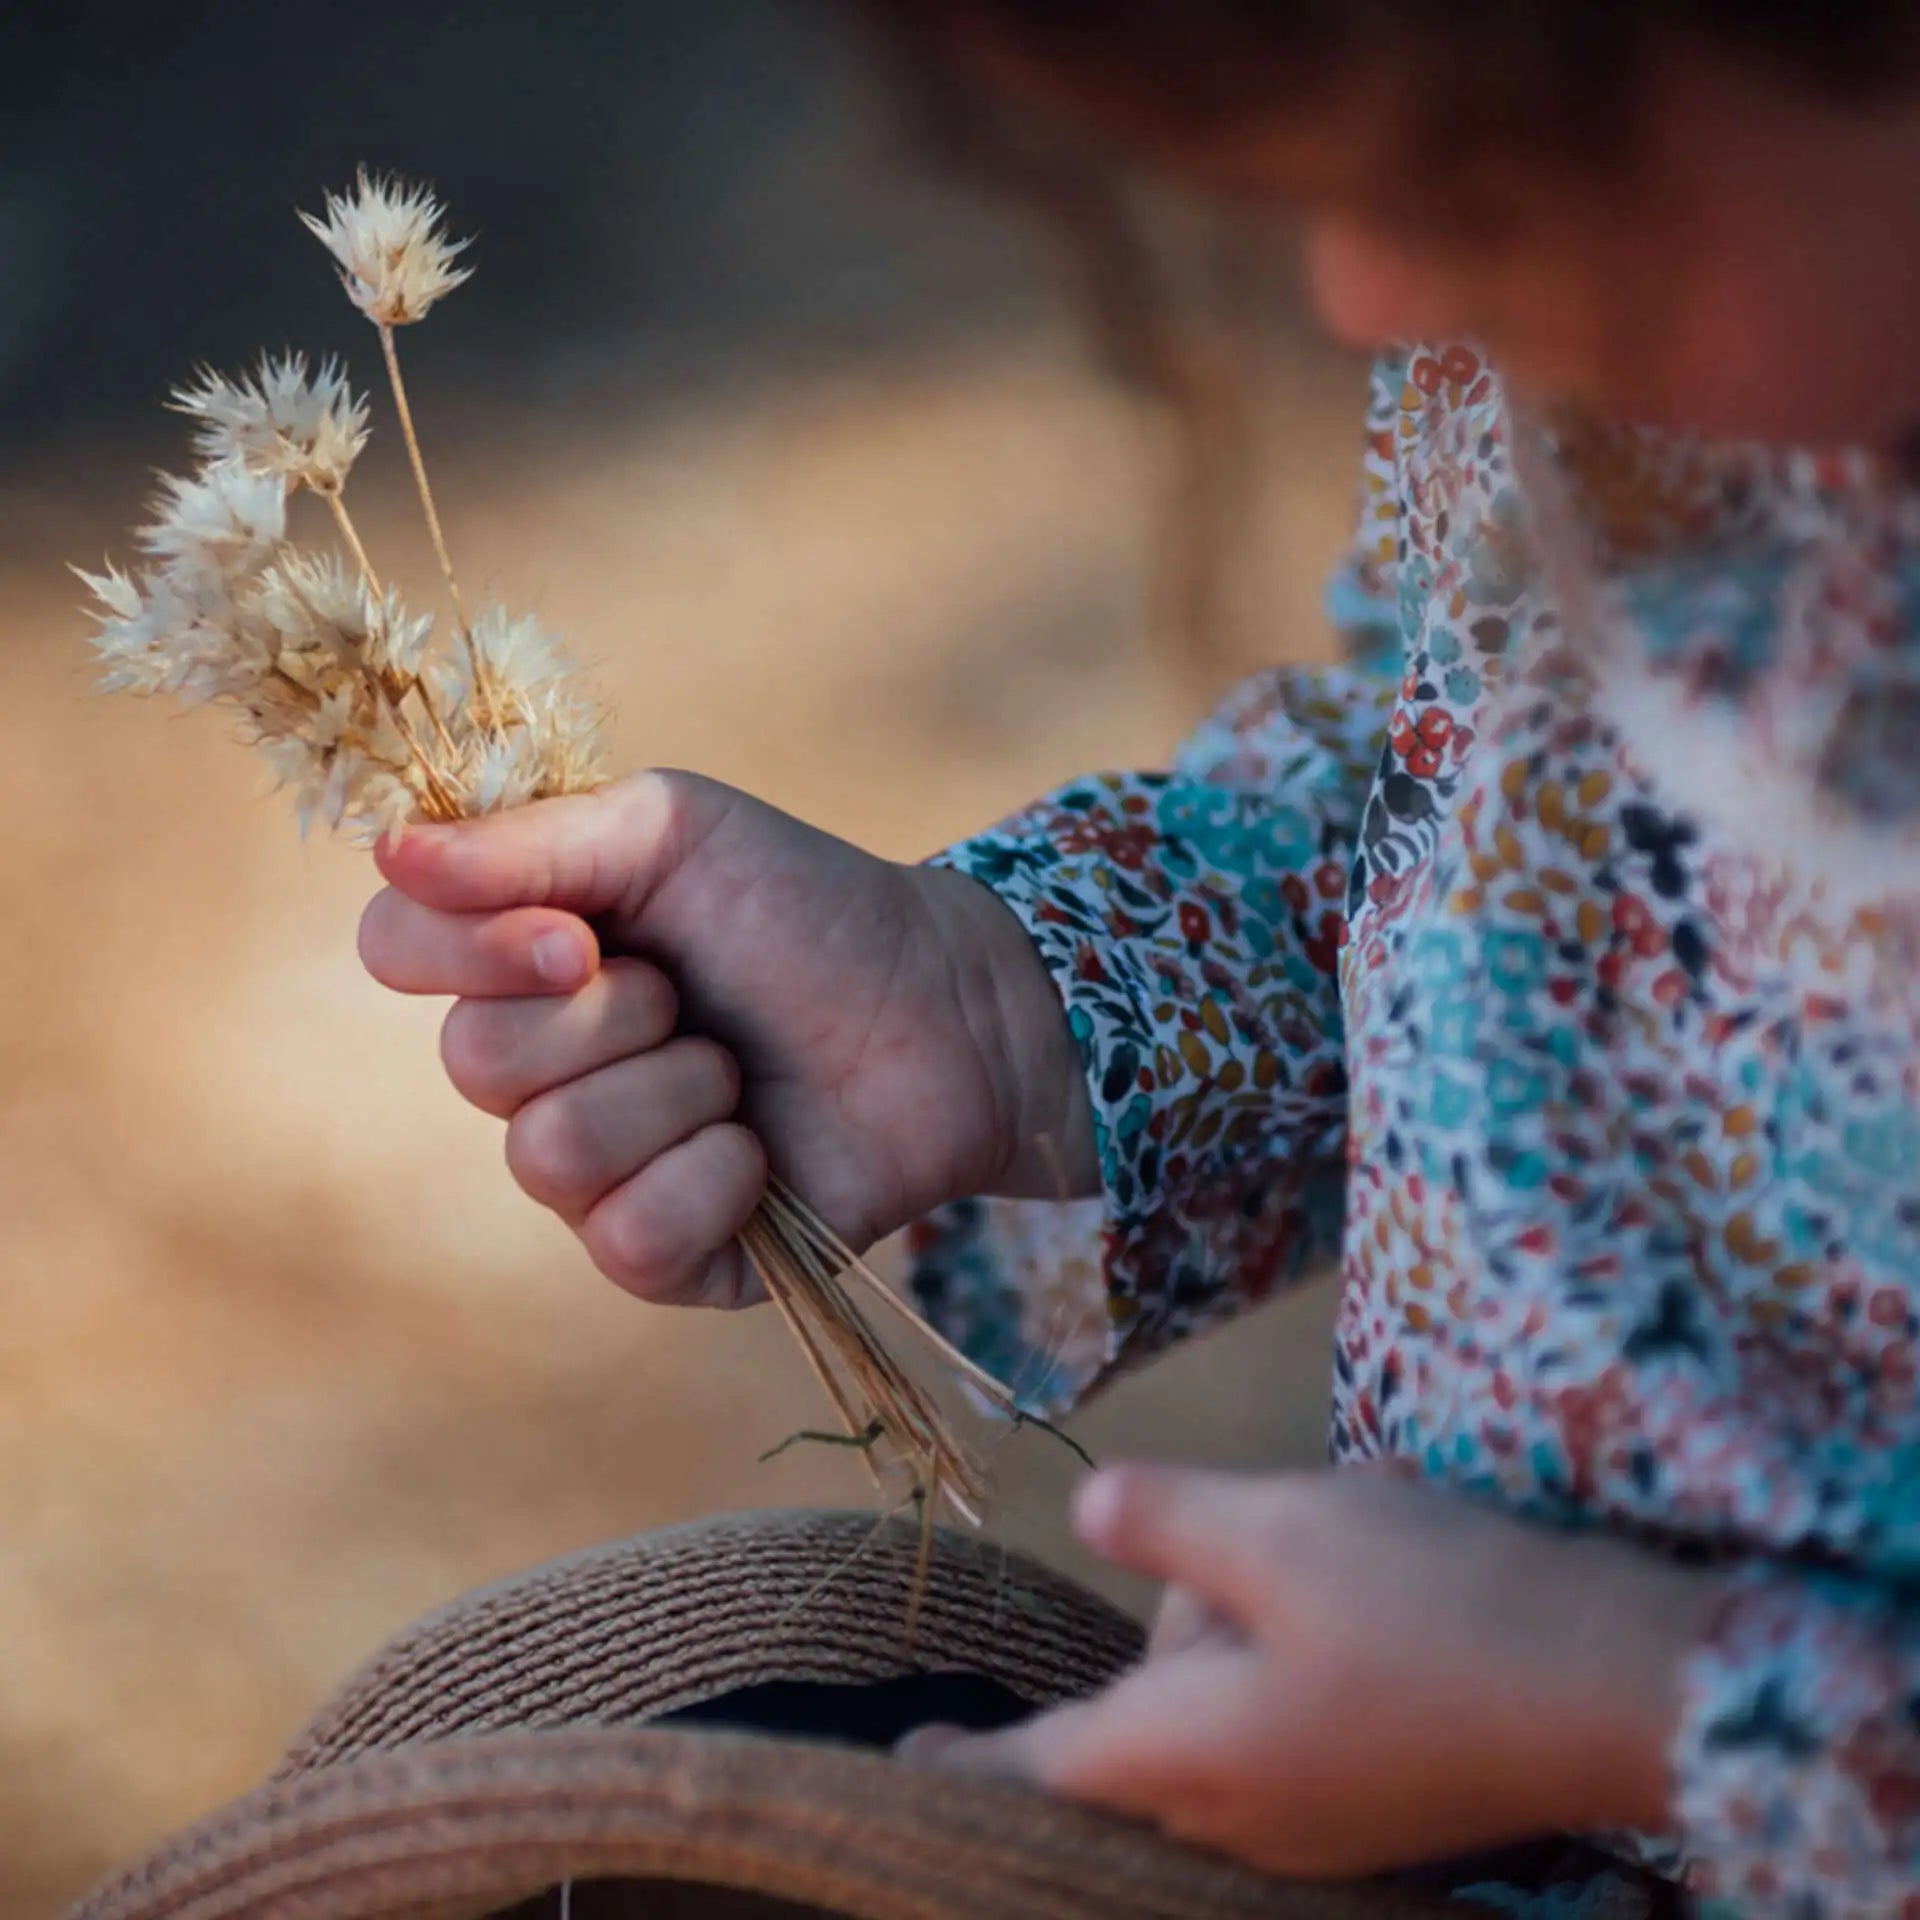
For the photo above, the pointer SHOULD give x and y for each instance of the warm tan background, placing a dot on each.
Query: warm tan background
(284, 1357)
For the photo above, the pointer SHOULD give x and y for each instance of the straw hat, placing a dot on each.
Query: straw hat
(571, 1741)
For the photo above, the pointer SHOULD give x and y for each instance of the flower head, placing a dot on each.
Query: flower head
(226, 517)
(280, 419)
(314, 600)
(554, 731)
(363, 710)
(503, 773)
(338, 784)
(516, 650)
(394, 263)
(568, 735)
(127, 629)
(178, 629)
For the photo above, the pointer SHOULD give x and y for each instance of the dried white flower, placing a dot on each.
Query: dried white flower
(398, 644)
(226, 518)
(280, 419)
(119, 598)
(342, 754)
(167, 631)
(383, 806)
(318, 778)
(516, 650)
(504, 774)
(358, 711)
(304, 596)
(126, 631)
(553, 733)
(313, 598)
(565, 731)
(332, 717)
(394, 263)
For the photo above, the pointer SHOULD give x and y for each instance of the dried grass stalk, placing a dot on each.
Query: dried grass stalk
(376, 717)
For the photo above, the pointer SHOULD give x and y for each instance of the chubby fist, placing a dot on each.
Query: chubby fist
(664, 985)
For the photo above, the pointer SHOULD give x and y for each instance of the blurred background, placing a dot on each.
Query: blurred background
(888, 457)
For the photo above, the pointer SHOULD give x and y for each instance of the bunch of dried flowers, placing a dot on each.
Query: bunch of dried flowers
(375, 718)
(372, 715)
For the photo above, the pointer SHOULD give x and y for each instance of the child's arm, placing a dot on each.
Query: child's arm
(1191, 922)
(1192, 928)
(639, 971)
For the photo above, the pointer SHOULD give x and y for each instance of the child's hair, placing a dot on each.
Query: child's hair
(1549, 77)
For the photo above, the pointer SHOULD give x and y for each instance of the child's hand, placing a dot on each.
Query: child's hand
(1365, 1673)
(662, 984)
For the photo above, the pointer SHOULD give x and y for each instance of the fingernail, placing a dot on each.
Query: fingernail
(408, 835)
(1096, 1507)
(927, 1746)
(557, 959)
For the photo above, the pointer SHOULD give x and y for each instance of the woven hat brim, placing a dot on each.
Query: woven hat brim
(634, 1629)
(467, 1827)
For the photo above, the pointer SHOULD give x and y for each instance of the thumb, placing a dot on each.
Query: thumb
(586, 852)
(1208, 1533)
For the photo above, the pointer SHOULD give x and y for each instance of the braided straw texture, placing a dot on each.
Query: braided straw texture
(460, 1831)
(624, 1633)
(489, 1754)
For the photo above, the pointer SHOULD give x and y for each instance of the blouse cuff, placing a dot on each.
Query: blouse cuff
(1796, 1761)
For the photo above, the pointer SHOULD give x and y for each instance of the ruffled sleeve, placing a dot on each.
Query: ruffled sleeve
(1192, 921)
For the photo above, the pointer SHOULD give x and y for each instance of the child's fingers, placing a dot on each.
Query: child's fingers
(1184, 1621)
(529, 950)
(550, 851)
(1154, 1744)
(667, 1233)
(1211, 1533)
(500, 1053)
(587, 852)
(571, 1146)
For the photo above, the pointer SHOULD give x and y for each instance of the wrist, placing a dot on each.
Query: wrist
(1044, 1145)
(1626, 1621)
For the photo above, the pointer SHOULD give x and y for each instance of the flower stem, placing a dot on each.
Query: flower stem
(395, 689)
(481, 683)
(344, 522)
(439, 726)
(442, 803)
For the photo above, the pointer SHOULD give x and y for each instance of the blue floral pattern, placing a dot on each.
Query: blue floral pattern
(1565, 967)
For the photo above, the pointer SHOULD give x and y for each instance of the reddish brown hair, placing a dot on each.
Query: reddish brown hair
(1186, 76)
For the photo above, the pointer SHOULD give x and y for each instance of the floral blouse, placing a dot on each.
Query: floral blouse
(1557, 962)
